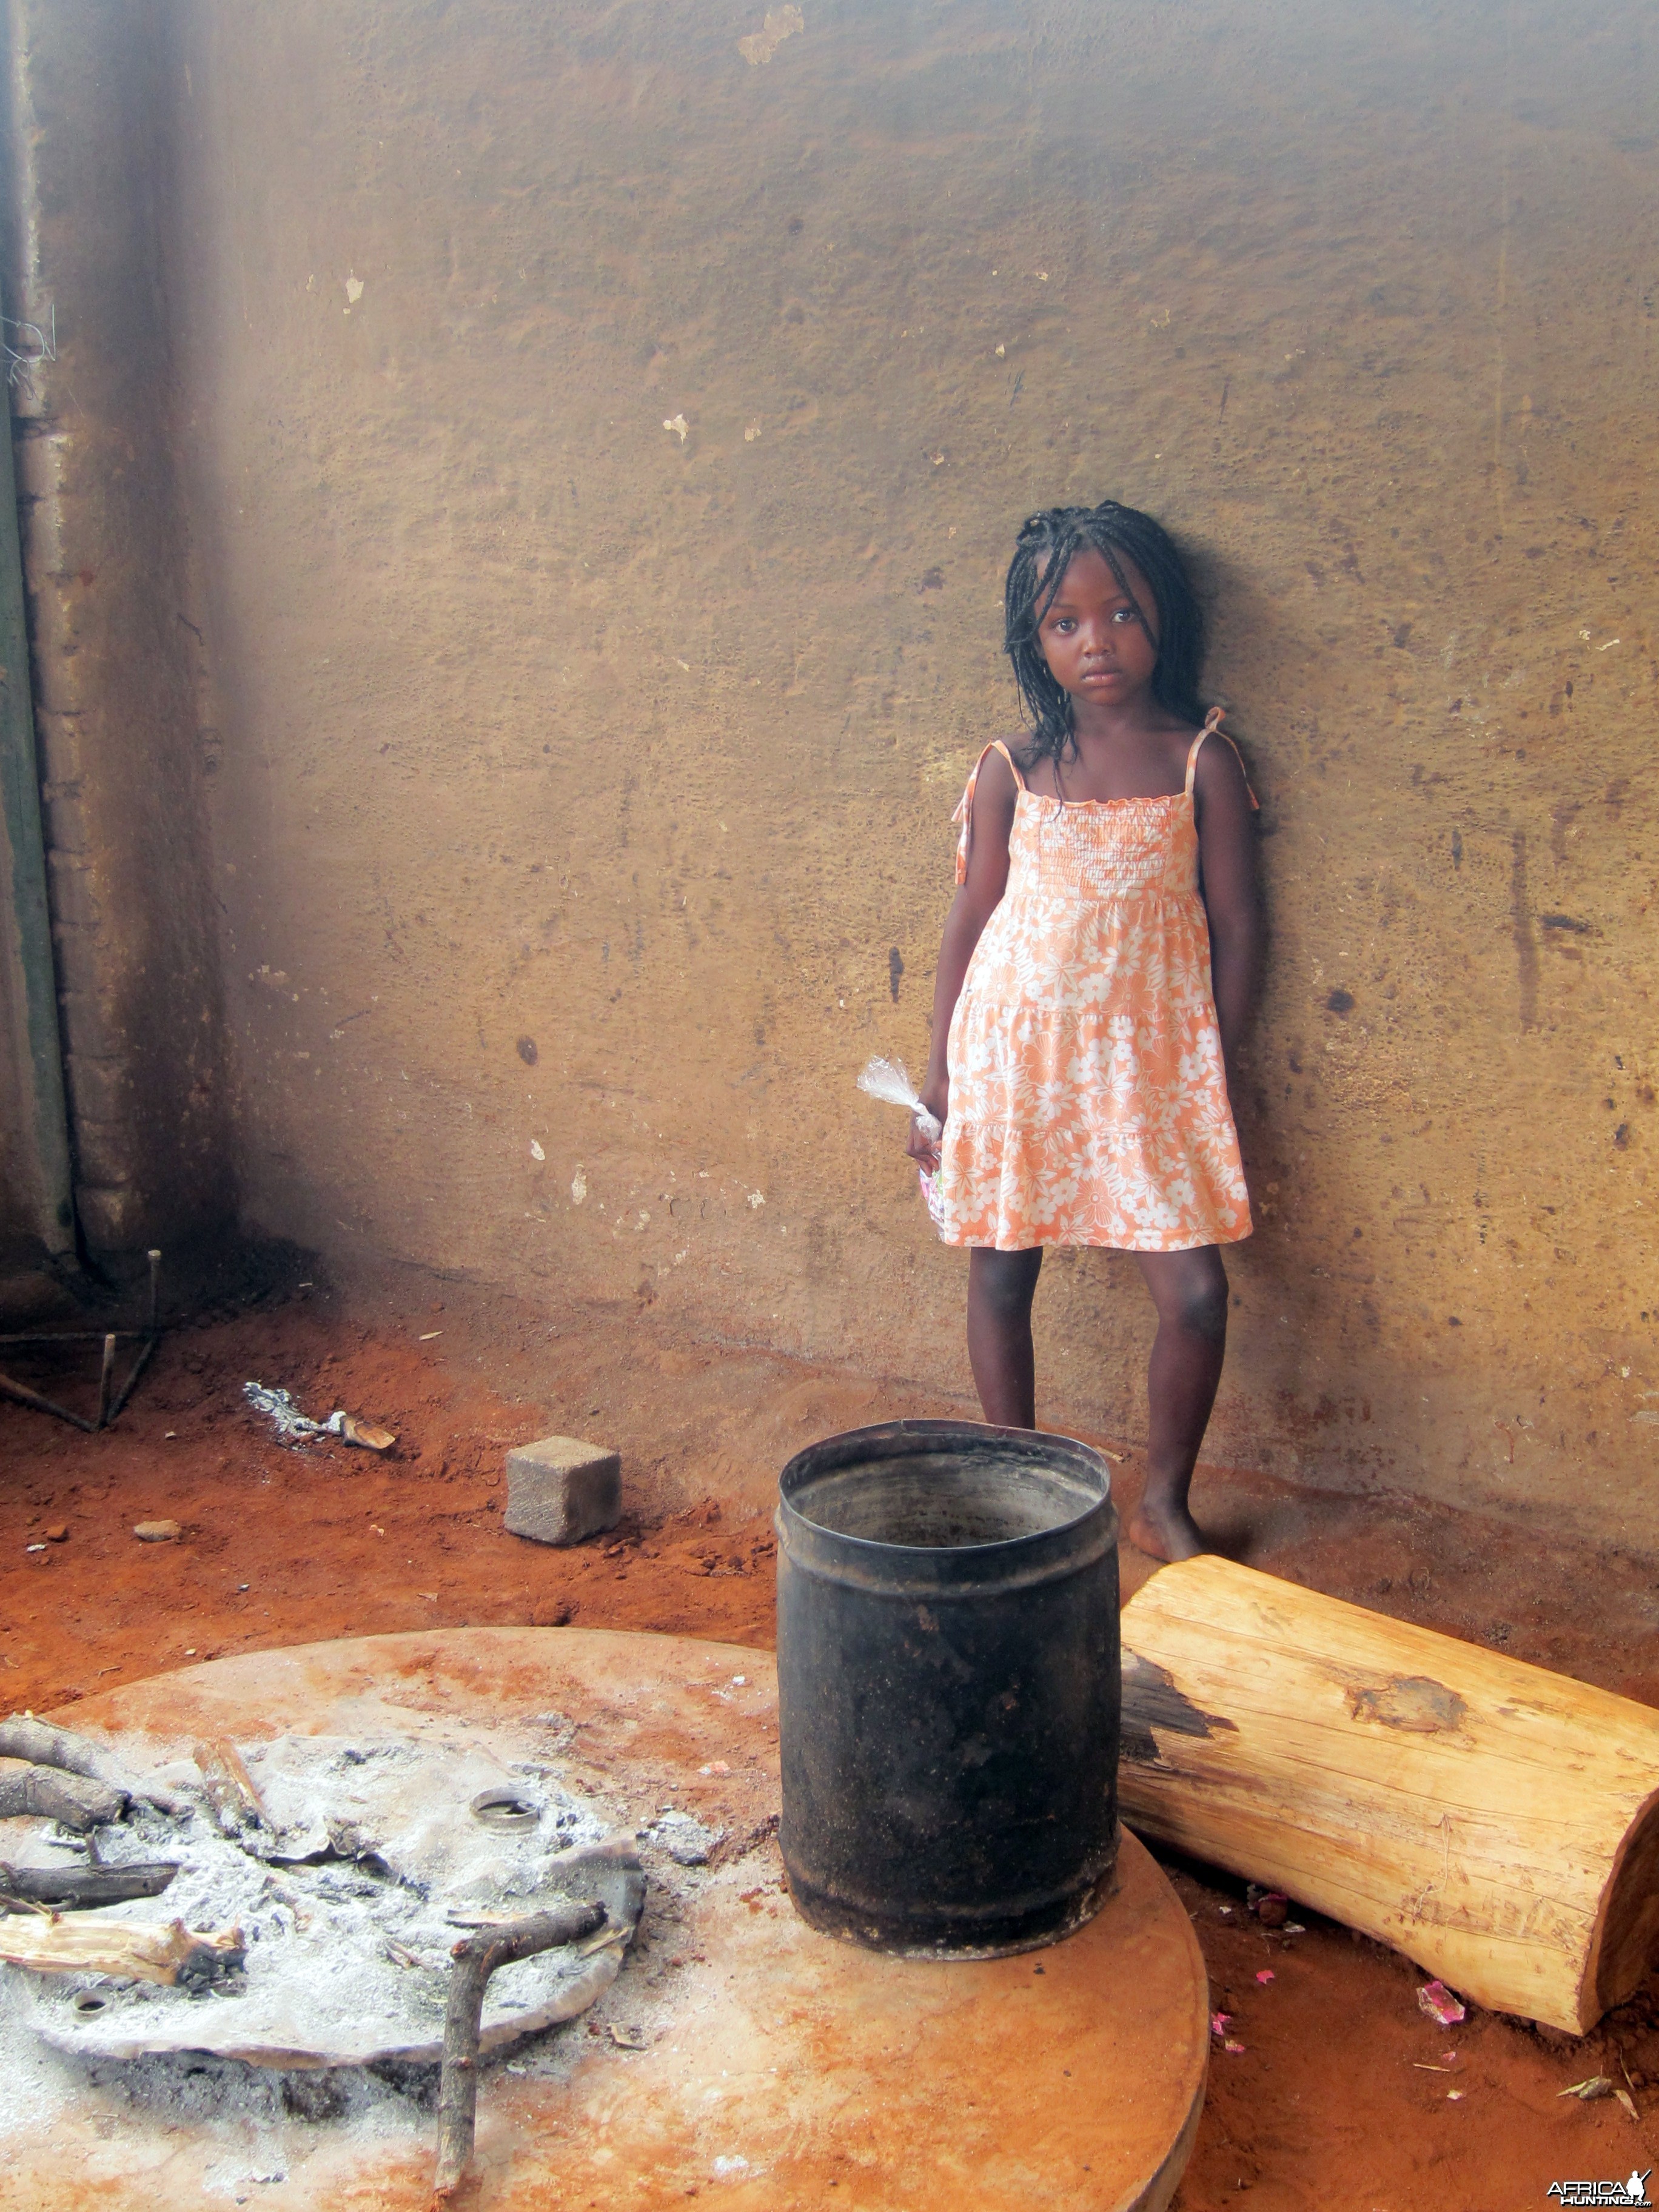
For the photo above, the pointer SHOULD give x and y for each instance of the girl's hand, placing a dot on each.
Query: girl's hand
(935, 1096)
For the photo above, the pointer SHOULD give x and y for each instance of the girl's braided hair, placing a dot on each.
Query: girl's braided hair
(1045, 549)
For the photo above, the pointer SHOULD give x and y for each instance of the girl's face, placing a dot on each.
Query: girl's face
(1093, 637)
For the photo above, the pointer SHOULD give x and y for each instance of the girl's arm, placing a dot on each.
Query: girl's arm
(990, 823)
(1226, 855)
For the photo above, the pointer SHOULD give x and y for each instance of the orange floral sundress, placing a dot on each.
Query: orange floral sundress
(1088, 1096)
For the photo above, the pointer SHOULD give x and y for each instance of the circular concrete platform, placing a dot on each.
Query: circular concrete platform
(777, 2067)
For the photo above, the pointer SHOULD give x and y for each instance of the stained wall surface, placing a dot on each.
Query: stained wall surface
(602, 429)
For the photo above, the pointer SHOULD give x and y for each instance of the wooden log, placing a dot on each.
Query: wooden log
(52, 1795)
(132, 1951)
(22, 1737)
(1496, 1823)
(74, 1888)
(476, 1961)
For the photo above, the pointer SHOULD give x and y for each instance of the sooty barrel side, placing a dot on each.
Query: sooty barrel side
(948, 1686)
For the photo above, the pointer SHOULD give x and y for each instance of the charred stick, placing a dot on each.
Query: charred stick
(49, 1794)
(74, 1888)
(476, 1961)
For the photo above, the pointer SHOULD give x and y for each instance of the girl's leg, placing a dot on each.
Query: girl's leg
(1000, 1288)
(1189, 1290)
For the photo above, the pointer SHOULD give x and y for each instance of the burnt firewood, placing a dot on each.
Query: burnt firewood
(52, 1795)
(73, 1889)
(22, 1737)
(476, 1961)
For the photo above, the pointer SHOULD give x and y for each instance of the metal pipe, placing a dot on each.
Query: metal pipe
(74, 1335)
(106, 1377)
(138, 1367)
(25, 1396)
(40, 1047)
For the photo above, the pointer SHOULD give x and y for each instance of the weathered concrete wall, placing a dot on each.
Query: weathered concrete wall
(582, 821)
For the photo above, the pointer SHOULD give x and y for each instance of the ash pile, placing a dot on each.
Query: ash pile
(298, 1904)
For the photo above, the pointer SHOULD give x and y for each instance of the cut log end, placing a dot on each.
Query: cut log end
(1627, 1940)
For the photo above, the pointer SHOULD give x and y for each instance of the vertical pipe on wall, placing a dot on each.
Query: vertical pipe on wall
(39, 1049)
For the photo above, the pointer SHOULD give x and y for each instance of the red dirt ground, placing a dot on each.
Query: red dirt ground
(1344, 2097)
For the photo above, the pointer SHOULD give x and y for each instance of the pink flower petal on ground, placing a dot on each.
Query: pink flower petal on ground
(1265, 1975)
(1237, 2049)
(1220, 2022)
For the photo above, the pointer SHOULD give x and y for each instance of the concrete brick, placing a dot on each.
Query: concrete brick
(560, 1490)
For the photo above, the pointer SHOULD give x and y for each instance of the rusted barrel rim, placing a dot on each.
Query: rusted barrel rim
(897, 1440)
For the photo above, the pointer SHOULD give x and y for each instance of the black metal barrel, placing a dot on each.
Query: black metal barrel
(948, 1687)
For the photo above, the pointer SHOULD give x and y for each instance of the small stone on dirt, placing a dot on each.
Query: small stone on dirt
(157, 1532)
(58, 1533)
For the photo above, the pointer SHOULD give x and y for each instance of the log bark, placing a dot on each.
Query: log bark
(169, 1953)
(74, 1888)
(1496, 1823)
(52, 1795)
(476, 1961)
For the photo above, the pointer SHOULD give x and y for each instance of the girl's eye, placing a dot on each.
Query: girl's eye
(1123, 614)
(1066, 623)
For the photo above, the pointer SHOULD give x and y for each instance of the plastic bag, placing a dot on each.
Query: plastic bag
(887, 1079)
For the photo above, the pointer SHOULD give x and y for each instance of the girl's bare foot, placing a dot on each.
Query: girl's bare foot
(1167, 1533)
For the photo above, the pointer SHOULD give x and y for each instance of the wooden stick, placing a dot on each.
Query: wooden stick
(236, 1803)
(27, 1905)
(476, 1961)
(74, 1888)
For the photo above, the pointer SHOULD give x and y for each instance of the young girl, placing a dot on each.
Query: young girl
(1095, 981)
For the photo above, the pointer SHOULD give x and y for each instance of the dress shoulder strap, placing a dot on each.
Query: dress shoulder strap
(964, 813)
(1213, 729)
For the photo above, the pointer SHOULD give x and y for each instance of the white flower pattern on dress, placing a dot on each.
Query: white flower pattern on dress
(1088, 1093)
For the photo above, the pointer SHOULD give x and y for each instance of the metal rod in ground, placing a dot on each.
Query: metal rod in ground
(25, 1396)
(138, 1367)
(476, 1961)
(154, 1259)
(106, 1377)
